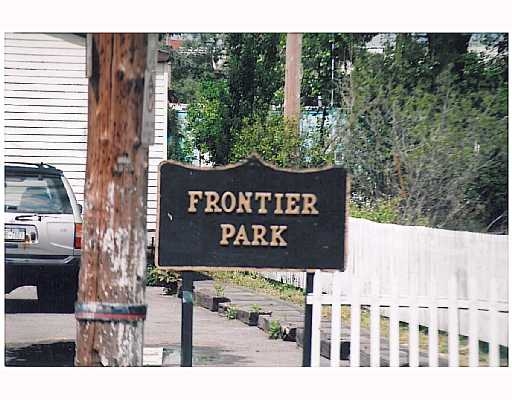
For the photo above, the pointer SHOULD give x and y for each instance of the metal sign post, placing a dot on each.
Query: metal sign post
(187, 311)
(308, 321)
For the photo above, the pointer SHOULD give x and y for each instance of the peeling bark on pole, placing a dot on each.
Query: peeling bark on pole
(114, 256)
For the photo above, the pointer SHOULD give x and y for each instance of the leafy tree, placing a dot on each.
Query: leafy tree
(272, 138)
(326, 58)
(206, 116)
(436, 142)
(253, 77)
(196, 60)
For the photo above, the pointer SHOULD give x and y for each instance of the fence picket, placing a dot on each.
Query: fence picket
(473, 323)
(453, 323)
(355, 323)
(316, 319)
(375, 323)
(494, 356)
(336, 319)
(433, 333)
(413, 293)
(394, 332)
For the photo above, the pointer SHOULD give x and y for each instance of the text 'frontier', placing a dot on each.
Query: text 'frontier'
(249, 203)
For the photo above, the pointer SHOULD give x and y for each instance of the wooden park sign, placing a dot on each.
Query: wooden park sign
(250, 215)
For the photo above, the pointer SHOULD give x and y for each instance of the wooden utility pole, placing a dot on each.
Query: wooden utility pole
(292, 116)
(292, 78)
(110, 309)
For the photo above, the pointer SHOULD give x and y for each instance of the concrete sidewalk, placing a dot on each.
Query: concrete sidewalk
(217, 340)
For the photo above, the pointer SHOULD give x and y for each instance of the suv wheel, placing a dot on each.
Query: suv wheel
(57, 293)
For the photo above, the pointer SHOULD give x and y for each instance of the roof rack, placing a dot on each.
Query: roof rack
(39, 165)
(20, 167)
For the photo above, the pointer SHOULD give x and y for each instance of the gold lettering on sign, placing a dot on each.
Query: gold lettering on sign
(232, 202)
(228, 231)
(241, 237)
(276, 238)
(292, 207)
(244, 202)
(258, 235)
(212, 200)
(263, 197)
(308, 204)
(279, 208)
(194, 196)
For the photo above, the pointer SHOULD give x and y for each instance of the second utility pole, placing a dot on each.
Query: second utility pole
(292, 117)
(292, 77)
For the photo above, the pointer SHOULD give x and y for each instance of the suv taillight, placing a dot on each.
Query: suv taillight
(77, 244)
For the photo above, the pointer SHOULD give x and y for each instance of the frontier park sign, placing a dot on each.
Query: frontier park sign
(250, 215)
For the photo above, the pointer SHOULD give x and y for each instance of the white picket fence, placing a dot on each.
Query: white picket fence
(432, 304)
(451, 281)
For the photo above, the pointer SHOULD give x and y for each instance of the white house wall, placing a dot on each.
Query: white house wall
(46, 108)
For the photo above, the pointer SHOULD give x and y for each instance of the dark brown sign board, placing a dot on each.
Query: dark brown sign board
(250, 215)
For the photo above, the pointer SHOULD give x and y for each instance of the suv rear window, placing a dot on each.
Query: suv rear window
(36, 194)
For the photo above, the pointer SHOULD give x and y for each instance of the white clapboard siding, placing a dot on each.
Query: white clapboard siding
(43, 87)
(48, 73)
(46, 112)
(45, 124)
(21, 44)
(43, 116)
(45, 109)
(44, 80)
(16, 101)
(57, 146)
(43, 132)
(31, 94)
(62, 39)
(53, 59)
(12, 48)
(42, 140)
(36, 65)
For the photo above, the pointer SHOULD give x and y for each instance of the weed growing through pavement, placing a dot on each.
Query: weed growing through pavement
(255, 308)
(219, 289)
(231, 312)
(274, 329)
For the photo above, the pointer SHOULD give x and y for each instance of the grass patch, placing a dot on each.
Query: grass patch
(260, 284)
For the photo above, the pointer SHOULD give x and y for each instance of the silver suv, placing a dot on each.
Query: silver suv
(43, 233)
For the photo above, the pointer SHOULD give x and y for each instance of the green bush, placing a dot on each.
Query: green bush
(255, 308)
(385, 211)
(272, 138)
(274, 330)
(231, 312)
(219, 289)
(161, 277)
